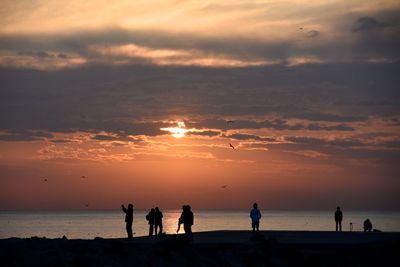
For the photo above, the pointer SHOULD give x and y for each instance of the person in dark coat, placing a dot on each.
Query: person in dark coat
(158, 221)
(187, 219)
(180, 220)
(150, 218)
(338, 219)
(128, 219)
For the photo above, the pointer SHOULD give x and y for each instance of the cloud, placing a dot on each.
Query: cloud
(61, 141)
(13, 136)
(119, 136)
(340, 142)
(115, 46)
(309, 153)
(209, 133)
(41, 60)
(367, 23)
(238, 136)
(40, 54)
(312, 34)
(140, 100)
(74, 154)
(105, 137)
(43, 54)
(319, 116)
(339, 127)
(279, 124)
(131, 53)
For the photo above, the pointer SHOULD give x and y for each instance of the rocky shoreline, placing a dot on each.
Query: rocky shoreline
(220, 248)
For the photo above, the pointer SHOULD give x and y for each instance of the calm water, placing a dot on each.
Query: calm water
(89, 224)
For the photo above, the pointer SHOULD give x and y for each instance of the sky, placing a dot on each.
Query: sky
(218, 104)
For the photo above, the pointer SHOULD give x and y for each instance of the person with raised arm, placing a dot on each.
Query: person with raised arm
(128, 219)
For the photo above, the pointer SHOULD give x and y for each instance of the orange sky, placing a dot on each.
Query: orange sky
(168, 171)
(135, 96)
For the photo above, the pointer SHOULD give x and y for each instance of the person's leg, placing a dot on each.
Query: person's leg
(340, 226)
(155, 229)
(253, 225)
(336, 225)
(161, 228)
(150, 229)
(129, 230)
(258, 226)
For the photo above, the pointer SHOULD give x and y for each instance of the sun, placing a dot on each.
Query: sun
(177, 131)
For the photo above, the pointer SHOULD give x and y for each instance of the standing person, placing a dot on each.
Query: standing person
(150, 219)
(255, 216)
(128, 219)
(180, 220)
(338, 219)
(188, 220)
(158, 221)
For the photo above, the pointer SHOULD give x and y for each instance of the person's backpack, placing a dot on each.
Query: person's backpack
(148, 217)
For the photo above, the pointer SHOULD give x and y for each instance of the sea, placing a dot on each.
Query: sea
(88, 224)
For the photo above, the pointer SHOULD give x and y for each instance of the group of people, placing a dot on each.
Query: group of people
(339, 217)
(154, 218)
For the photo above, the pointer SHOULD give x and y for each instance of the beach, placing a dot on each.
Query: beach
(213, 248)
(88, 224)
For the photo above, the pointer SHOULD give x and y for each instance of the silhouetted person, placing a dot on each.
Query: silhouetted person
(255, 216)
(150, 218)
(338, 219)
(128, 219)
(158, 221)
(180, 220)
(367, 225)
(187, 219)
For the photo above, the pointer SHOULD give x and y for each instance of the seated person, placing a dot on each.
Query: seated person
(367, 225)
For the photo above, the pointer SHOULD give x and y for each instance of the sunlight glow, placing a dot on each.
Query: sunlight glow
(178, 131)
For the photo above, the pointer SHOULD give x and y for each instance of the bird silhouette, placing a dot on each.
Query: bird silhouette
(87, 205)
(224, 186)
(231, 146)
(83, 176)
(45, 179)
(301, 28)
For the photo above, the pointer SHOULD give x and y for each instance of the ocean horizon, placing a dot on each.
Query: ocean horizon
(88, 224)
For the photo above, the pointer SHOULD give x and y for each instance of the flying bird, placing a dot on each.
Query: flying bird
(45, 179)
(224, 186)
(87, 205)
(83, 176)
(301, 28)
(231, 146)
